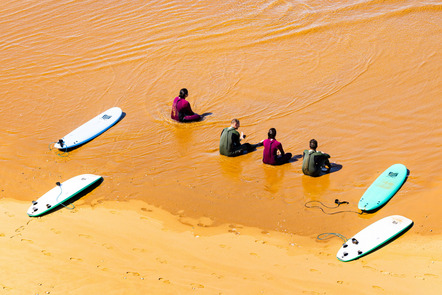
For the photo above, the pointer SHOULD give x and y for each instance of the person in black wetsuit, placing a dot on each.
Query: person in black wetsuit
(314, 161)
(230, 141)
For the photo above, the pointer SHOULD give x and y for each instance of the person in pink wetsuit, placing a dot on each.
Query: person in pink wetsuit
(271, 149)
(181, 110)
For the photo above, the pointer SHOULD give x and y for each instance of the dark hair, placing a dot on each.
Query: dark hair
(272, 133)
(183, 93)
(313, 144)
(234, 121)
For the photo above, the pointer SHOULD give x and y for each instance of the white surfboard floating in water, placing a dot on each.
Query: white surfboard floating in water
(61, 193)
(373, 236)
(90, 129)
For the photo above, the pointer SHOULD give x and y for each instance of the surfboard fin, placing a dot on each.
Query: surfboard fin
(34, 202)
(48, 206)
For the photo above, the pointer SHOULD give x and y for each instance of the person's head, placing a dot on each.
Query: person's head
(313, 144)
(234, 123)
(183, 93)
(272, 133)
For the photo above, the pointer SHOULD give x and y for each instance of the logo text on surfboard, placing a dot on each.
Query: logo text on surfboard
(392, 174)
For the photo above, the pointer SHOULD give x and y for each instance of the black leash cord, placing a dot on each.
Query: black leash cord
(307, 205)
(63, 154)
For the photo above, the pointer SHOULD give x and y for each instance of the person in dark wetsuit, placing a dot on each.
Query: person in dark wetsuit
(230, 141)
(271, 147)
(181, 110)
(314, 161)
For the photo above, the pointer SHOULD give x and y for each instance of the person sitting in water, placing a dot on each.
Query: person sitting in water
(271, 147)
(181, 110)
(230, 141)
(314, 161)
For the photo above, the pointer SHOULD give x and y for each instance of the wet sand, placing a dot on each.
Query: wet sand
(362, 77)
(134, 248)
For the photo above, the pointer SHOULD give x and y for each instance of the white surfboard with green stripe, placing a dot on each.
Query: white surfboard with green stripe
(373, 237)
(61, 193)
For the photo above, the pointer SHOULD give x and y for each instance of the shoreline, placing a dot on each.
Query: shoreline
(172, 216)
(134, 247)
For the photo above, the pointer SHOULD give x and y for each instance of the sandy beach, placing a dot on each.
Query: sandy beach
(172, 216)
(134, 248)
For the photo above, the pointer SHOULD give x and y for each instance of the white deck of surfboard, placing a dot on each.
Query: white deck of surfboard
(373, 236)
(91, 129)
(62, 193)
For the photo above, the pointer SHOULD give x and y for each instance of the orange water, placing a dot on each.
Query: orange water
(362, 77)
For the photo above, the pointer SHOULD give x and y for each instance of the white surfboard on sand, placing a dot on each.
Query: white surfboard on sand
(90, 129)
(373, 236)
(61, 193)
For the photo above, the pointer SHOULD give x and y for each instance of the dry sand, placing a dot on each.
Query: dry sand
(133, 248)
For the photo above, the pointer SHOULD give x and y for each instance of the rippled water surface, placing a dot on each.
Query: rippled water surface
(362, 77)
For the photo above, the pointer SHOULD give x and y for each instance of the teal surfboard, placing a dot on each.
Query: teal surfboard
(383, 188)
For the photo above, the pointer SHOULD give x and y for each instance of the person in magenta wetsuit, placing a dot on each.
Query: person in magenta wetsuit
(271, 148)
(181, 110)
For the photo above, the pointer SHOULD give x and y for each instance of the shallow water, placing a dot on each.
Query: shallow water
(362, 77)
